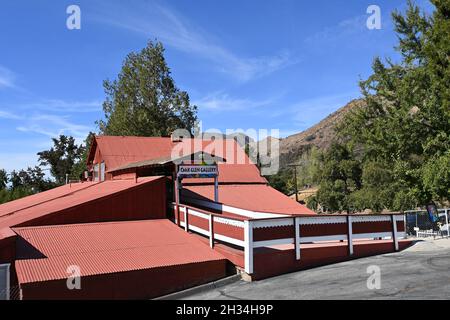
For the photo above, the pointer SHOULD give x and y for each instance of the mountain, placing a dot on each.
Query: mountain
(319, 135)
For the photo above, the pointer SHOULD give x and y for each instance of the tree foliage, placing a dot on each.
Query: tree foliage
(79, 167)
(65, 157)
(22, 183)
(308, 167)
(3, 179)
(282, 181)
(340, 176)
(402, 136)
(143, 100)
(62, 157)
(33, 179)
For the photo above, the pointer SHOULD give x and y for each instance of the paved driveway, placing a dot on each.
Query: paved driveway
(419, 272)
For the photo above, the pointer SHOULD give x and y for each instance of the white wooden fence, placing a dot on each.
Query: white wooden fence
(249, 233)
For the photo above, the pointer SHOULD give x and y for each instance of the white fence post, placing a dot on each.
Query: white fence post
(394, 232)
(404, 226)
(446, 222)
(297, 237)
(211, 231)
(248, 246)
(350, 235)
(186, 218)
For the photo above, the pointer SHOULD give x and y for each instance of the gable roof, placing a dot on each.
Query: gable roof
(124, 151)
(26, 209)
(258, 198)
(104, 248)
(197, 156)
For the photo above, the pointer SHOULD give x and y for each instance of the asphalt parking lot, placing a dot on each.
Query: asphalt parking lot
(419, 272)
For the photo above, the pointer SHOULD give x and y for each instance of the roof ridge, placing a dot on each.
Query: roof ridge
(141, 181)
(48, 200)
(156, 137)
(72, 225)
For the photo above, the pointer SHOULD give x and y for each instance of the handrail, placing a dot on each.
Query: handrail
(285, 218)
(424, 210)
(318, 216)
(210, 230)
(208, 212)
(329, 215)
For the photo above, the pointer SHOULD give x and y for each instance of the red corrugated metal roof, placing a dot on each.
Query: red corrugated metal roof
(39, 198)
(254, 197)
(19, 211)
(6, 233)
(103, 248)
(118, 151)
(233, 173)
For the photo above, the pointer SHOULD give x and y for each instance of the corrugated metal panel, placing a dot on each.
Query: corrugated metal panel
(137, 284)
(39, 198)
(233, 173)
(104, 248)
(118, 151)
(86, 198)
(255, 197)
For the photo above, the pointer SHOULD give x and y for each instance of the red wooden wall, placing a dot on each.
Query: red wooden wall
(139, 284)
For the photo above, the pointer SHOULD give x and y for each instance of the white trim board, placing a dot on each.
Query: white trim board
(235, 210)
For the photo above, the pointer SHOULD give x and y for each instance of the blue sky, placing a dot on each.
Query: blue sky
(246, 64)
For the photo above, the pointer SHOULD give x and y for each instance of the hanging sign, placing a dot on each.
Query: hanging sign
(197, 171)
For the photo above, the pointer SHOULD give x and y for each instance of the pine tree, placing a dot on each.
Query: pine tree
(143, 100)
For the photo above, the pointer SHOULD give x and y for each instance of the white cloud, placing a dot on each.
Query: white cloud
(174, 30)
(223, 102)
(66, 106)
(343, 29)
(352, 32)
(8, 115)
(7, 78)
(36, 119)
(15, 161)
(53, 126)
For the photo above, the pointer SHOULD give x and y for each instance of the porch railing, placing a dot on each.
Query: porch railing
(256, 233)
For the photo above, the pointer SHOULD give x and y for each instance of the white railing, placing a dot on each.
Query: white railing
(299, 223)
(426, 233)
(250, 234)
(441, 212)
(187, 212)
